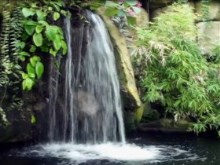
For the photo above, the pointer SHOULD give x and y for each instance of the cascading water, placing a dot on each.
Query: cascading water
(86, 121)
(84, 103)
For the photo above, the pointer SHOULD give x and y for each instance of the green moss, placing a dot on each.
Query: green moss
(139, 113)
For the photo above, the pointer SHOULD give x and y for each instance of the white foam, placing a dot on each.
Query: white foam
(110, 151)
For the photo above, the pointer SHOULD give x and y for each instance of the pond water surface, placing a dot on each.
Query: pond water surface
(151, 149)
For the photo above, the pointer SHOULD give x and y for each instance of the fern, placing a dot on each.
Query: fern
(15, 78)
(4, 54)
(3, 118)
(10, 81)
(5, 66)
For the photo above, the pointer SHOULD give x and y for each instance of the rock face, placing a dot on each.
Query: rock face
(21, 123)
(208, 36)
(208, 25)
(130, 96)
(18, 128)
(208, 11)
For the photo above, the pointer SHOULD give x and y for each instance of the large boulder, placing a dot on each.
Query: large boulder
(130, 96)
(208, 36)
(209, 11)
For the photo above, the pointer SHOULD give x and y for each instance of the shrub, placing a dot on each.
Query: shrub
(172, 70)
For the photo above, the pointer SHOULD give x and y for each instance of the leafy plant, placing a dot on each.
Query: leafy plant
(87, 4)
(40, 35)
(10, 80)
(33, 119)
(172, 70)
(124, 9)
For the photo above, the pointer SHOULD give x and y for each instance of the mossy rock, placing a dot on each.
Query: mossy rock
(139, 113)
(165, 125)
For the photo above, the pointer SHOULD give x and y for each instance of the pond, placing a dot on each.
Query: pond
(141, 149)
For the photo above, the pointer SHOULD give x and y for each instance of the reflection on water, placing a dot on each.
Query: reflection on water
(142, 150)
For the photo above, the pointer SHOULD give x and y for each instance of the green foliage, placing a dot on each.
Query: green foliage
(172, 70)
(33, 119)
(40, 35)
(3, 118)
(89, 4)
(114, 8)
(124, 9)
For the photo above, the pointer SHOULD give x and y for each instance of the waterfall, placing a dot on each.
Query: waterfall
(84, 100)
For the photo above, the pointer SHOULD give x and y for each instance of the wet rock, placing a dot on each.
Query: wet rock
(165, 125)
(123, 62)
(87, 103)
(129, 92)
